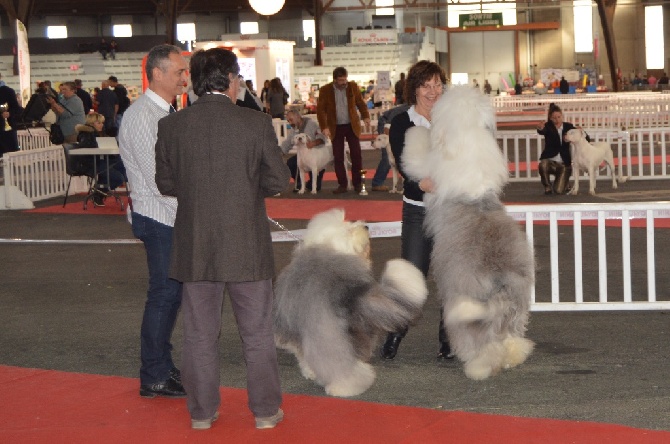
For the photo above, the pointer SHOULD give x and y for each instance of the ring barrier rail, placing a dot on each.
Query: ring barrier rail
(585, 225)
(571, 275)
(32, 139)
(619, 119)
(634, 101)
(38, 173)
(639, 154)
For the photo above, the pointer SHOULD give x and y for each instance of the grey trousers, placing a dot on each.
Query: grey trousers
(201, 311)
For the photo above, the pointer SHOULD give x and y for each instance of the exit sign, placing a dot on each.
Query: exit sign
(480, 19)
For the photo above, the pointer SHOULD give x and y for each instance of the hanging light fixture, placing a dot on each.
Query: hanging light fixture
(266, 7)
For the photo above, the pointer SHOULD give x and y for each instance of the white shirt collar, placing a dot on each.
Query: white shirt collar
(417, 119)
(158, 100)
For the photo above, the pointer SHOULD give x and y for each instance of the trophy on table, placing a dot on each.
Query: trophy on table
(5, 107)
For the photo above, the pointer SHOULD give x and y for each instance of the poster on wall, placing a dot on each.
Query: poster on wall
(23, 56)
(248, 69)
(282, 71)
(304, 84)
(383, 88)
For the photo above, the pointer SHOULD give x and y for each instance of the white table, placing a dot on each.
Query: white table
(106, 152)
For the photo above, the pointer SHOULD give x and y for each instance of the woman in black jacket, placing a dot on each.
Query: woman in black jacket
(423, 88)
(555, 158)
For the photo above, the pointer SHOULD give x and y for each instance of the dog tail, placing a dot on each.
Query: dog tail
(399, 297)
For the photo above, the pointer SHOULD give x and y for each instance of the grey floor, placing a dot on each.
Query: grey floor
(77, 308)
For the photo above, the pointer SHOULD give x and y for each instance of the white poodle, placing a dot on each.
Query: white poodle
(481, 260)
(329, 311)
(589, 156)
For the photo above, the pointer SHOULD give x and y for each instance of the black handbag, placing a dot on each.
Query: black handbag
(56, 136)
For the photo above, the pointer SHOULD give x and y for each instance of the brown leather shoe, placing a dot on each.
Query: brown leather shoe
(340, 190)
(380, 188)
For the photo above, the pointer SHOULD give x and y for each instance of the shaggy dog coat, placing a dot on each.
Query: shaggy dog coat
(329, 311)
(482, 263)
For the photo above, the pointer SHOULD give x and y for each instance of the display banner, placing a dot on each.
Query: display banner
(373, 36)
(23, 57)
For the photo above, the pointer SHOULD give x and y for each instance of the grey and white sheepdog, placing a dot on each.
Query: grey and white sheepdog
(329, 311)
(482, 263)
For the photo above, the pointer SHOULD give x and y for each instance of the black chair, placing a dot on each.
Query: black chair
(78, 166)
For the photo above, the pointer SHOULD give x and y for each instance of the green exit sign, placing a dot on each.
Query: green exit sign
(480, 19)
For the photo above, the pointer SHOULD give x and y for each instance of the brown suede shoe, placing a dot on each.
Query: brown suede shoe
(340, 190)
(380, 188)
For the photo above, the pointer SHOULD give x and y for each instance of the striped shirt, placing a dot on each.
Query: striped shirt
(137, 145)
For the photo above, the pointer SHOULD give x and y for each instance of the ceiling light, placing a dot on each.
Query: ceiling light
(267, 7)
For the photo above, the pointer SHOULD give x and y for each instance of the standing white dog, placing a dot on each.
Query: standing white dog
(382, 142)
(589, 156)
(313, 160)
(482, 263)
(329, 311)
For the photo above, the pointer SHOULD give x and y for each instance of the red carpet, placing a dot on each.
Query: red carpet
(43, 406)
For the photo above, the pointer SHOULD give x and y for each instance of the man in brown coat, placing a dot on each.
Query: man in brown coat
(221, 161)
(339, 120)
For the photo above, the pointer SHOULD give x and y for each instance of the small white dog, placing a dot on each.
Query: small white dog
(482, 263)
(329, 311)
(314, 160)
(382, 142)
(589, 156)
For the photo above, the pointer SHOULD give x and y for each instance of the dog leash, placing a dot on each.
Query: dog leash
(281, 227)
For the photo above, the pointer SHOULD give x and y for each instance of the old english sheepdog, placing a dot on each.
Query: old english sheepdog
(329, 311)
(482, 263)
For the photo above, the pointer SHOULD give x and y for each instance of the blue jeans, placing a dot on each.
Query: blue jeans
(163, 300)
(382, 169)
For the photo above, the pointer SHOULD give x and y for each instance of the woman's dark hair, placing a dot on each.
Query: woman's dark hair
(552, 109)
(421, 72)
(211, 69)
(276, 85)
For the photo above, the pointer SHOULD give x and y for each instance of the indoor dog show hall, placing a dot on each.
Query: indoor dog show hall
(75, 279)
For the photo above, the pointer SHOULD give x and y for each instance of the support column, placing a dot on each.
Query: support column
(606, 12)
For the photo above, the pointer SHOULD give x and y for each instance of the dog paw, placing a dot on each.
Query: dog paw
(358, 380)
(479, 371)
(517, 350)
(301, 191)
(307, 372)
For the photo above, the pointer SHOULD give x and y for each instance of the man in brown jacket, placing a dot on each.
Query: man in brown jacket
(339, 120)
(221, 161)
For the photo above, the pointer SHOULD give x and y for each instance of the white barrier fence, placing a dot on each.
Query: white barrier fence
(624, 102)
(38, 173)
(32, 139)
(584, 287)
(590, 270)
(640, 154)
(623, 120)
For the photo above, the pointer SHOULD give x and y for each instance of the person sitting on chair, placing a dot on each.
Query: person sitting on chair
(87, 138)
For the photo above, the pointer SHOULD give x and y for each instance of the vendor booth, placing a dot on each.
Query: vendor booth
(259, 59)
